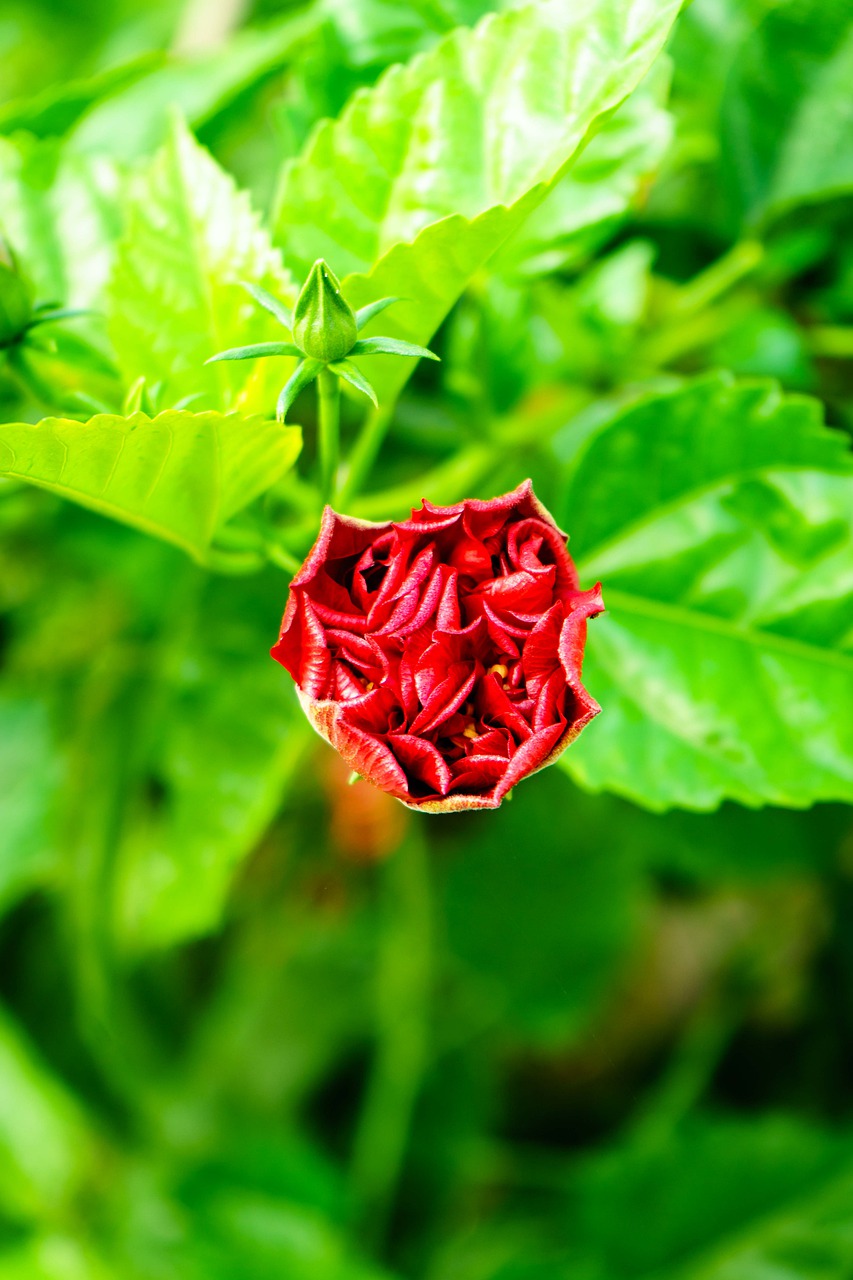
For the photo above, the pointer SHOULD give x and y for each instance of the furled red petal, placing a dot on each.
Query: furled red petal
(478, 773)
(529, 757)
(422, 761)
(441, 655)
(443, 699)
(339, 537)
(302, 649)
(541, 656)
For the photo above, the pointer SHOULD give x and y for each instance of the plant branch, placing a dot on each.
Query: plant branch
(329, 400)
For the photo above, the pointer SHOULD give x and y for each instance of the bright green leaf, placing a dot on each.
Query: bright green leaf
(62, 215)
(720, 519)
(586, 205)
(179, 476)
(57, 109)
(176, 299)
(46, 1147)
(424, 176)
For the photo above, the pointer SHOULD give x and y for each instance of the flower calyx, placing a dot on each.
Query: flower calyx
(324, 330)
(19, 313)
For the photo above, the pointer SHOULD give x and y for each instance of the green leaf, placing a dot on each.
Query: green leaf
(46, 1148)
(390, 347)
(541, 914)
(719, 517)
(31, 770)
(719, 1197)
(57, 109)
(227, 737)
(788, 111)
(344, 369)
(135, 122)
(179, 476)
(62, 215)
(586, 205)
(53, 1257)
(256, 350)
(424, 176)
(175, 297)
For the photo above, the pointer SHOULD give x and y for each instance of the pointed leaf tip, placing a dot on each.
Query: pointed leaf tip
(344, 369)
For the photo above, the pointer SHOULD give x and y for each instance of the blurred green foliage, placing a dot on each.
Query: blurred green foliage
(257, 1023)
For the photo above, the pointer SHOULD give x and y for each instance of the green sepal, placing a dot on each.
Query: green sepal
(303, 376)
(390, 347)
(16, 301)
(44, 315)
(270, 303)
(344, 369)
(323, 321)
(365, 314)
(256, 350)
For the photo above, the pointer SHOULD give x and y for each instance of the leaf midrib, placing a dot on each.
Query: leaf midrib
(586, 562)
(698, 620)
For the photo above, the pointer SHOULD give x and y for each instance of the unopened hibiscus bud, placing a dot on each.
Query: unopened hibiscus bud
(324, 324)
(16, 302)
(441, 655)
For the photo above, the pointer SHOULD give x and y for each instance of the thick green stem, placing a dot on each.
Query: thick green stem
(329, 441)
(366, 451)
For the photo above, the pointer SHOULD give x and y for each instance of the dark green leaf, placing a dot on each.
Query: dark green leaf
(720, 518)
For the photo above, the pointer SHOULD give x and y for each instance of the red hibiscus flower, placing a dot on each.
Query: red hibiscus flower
(441, 655)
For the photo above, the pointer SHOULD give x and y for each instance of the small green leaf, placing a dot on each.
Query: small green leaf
(256, 350)
(179, 476)
(302, 377)
(365, 314)
(391, 347)
(344, 369)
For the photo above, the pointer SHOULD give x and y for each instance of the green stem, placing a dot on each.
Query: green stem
(329, 440)
(366, 451)
(402, 1005)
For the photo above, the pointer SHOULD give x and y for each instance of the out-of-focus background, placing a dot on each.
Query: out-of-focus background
(258, 1023)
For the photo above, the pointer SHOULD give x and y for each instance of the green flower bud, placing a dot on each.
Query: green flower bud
(324, 324)
(16, 302)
